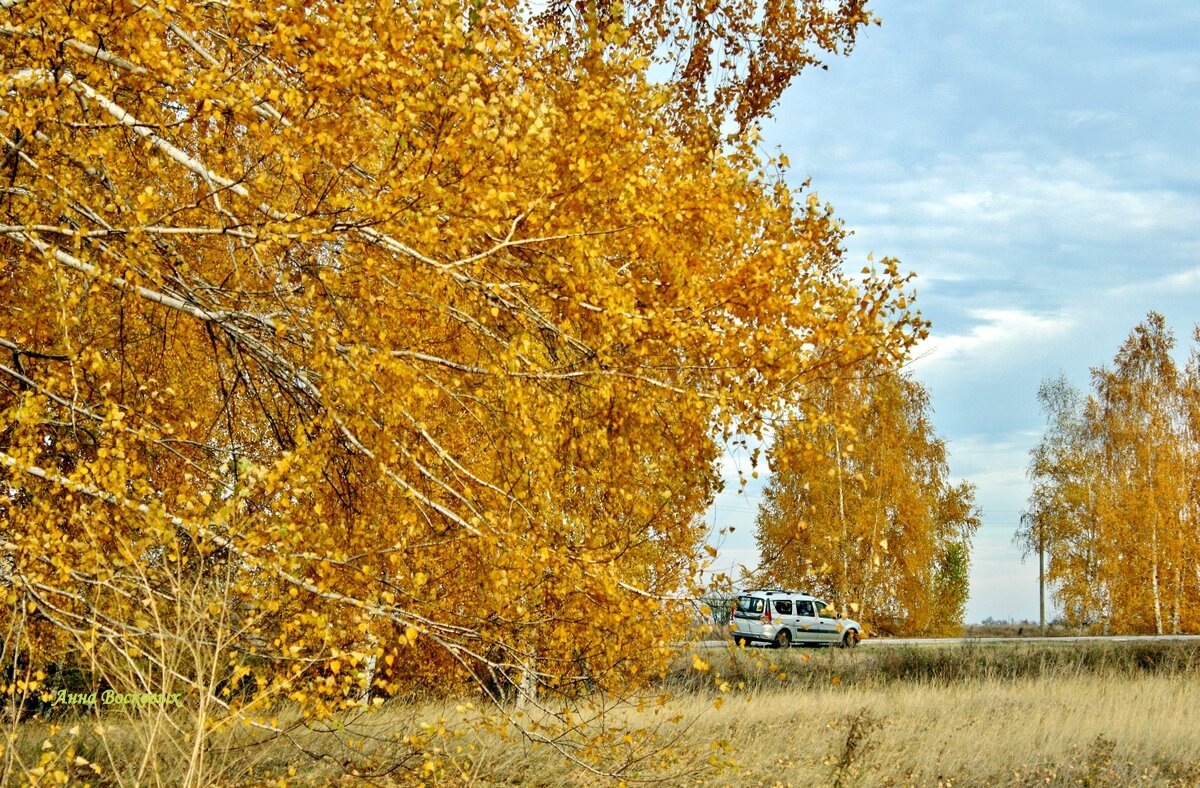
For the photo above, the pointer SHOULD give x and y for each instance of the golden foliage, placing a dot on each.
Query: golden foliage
(730, 60)
(383, 347)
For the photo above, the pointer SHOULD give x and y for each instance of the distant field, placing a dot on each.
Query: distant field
(1023, 629)
(975, 714)
(970, 660)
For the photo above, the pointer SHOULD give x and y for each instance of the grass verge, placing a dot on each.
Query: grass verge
(1008, 714)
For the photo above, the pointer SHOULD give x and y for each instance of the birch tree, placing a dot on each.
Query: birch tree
(860, 506)
(1114, 490)
(361, 347)
(1063, 514)
(1140, 416)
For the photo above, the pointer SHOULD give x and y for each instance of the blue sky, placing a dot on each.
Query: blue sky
(1038, 165)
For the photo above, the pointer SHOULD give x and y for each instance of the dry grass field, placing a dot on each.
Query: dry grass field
(1009, 714)
(1084, 730)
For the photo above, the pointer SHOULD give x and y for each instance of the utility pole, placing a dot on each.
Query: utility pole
(1041, 578)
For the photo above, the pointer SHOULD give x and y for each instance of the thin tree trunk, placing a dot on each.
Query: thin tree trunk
(1158, 619)
(370, 667)
(837, 447)
(869, 581)
(528, 689)
(1106, 613)
(1178, 599)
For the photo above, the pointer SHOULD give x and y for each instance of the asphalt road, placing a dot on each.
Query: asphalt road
(881, 642)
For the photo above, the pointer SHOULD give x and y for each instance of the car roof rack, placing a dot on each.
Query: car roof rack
(769, 591)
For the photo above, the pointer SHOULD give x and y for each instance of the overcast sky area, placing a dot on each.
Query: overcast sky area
(1038, 165)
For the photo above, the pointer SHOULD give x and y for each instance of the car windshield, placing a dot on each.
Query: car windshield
(750, 604)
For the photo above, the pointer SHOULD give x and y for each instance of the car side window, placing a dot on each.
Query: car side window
(783, 607)
(824, 610)
(804, 607)
(750, 604)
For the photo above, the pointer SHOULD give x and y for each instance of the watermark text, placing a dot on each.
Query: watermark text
(113, 698)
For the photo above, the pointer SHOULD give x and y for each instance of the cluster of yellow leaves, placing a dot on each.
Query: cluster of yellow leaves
(384, 346)
(1116, 490)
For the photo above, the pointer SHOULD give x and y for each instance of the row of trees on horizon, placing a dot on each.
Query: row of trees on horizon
(861, 510)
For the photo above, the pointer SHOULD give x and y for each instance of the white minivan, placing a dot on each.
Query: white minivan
(781, 618)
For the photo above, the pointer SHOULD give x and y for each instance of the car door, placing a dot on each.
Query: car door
(747, 613)
(785, 616)
(827, 623)
(806, 622)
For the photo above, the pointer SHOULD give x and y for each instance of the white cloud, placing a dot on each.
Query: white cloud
(996, 465)
(1009, 589)
(1007, 197)
(1181, 282)
(1081, 117)
(1011, 219)
(997, 331)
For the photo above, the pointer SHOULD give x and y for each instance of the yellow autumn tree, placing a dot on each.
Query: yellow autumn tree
(1115, 500)
(1062, 519)
(1190, 489)
(860, 507)
(360, 347)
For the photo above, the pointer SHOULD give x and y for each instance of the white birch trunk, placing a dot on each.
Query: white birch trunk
(1158, 619)
(369, 669)
(528, 688)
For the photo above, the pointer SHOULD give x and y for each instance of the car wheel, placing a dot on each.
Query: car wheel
(850, 640)
(783, 639)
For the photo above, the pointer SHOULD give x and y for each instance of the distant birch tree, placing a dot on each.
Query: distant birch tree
(860, 506)
(1114, 499)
